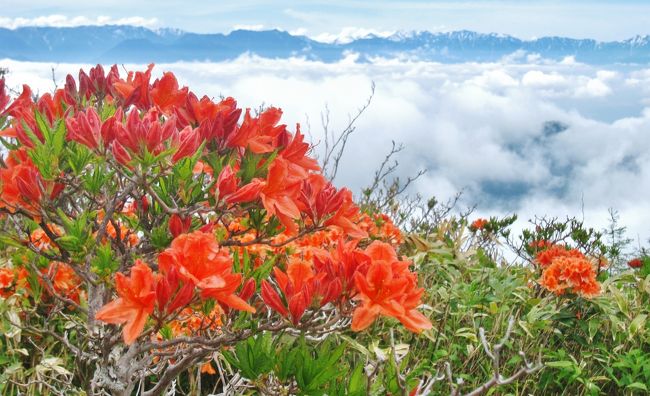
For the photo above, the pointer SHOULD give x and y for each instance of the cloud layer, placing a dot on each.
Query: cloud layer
(57, 20)
(535, 138)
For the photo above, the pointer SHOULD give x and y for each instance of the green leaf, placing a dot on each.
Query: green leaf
(253, 357)
(10, 241)
(104, 264)
(42, 126)
(58, 140)
(166, 332)
(358, 382)
(78, 156)
(69, 242)
(637, 324)
(637, 385)
(160, 237)
(356, 345)
(263, 271)
(560, 364)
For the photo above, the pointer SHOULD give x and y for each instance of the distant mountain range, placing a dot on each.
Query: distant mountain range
(130, 44)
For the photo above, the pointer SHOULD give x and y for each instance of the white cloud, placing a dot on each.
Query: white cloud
(256, 27)
(479, 127)
(536, 78)
(349, 34)
(299, 32)
(66, 21)
(594, 87)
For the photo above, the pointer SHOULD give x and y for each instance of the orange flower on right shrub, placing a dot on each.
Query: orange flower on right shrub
(568, 270)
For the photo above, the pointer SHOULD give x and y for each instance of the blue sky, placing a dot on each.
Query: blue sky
(602, 20)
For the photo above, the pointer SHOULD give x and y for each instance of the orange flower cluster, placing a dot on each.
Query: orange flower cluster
(190, 321)
(65, 280)
(135, 302)
(635, 263)
(126, 235)
(375, 277)
(41, 240)
(380, 226)
(388, 288)
(62, 278)
(200, 261)
(7, 278)
(478, 224)
(256, 193)
(567, 270)
(546, 257)
(540, 244)
(21, 185)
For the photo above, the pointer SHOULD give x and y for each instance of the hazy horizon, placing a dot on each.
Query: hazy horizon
(602, 20)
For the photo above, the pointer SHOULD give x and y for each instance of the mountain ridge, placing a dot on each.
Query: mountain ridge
(132, 44)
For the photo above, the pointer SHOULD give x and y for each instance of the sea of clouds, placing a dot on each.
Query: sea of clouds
(523, 135)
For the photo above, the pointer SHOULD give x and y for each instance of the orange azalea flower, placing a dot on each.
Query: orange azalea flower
(207, 368)
(135, 303)
(97, 83)
(303, 285)
(178, 225)
(168, 286)
(258, 134)
(187, 142)
(146, 133)
(203, 109)
(390, 233)
(346, 215)
(190, 321)
(541, 244)
(390, 289)
(125, 235)
(635, 263)
(298, 287)
(132, 207)
(21, 279)
(227, 188)
(546, 257)
(22, 102)
(22, 111)
(85, 128)
(217, 120)
(341, 264)
(135, 90)
(569, 273)
(202, 167)
(320, 200)
(21, 183)
(198, 259)
(7, 277)
(4, 98)
(63, 277)
(380, 226)
(53, 106)
(166, 95)
(295, 153)
(40, 239)
(478, 224)
(279, 194)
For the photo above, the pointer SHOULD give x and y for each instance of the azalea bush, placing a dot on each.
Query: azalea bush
(152, 242)
(588, 326)
(133, 203)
